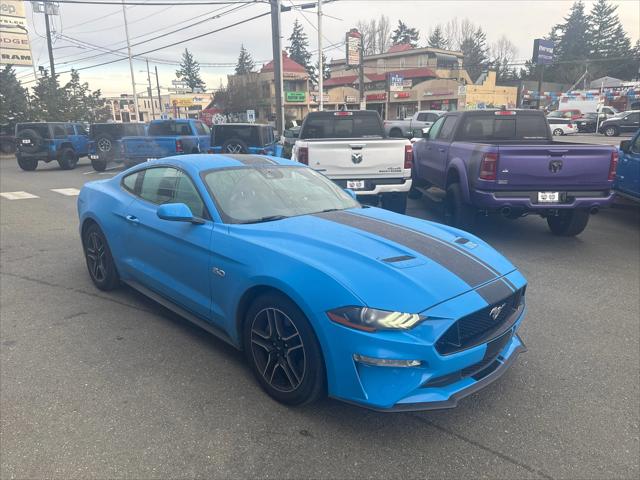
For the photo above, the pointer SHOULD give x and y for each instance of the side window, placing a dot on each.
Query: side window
(431, 117)
(447, 129)
(159, 185)
(423, 117)
(201, 129)
(184, 129)
(635, 147)
(70, 130)
(59, 131)
(186, 193)
(435, 128)
(131, 182)
(81, 130)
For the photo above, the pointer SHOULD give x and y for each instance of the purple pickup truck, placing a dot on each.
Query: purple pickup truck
(506, 162)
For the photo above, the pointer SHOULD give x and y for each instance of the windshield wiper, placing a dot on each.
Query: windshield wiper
(269, 218)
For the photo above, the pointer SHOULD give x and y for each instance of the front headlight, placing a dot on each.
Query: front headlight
(372, 320)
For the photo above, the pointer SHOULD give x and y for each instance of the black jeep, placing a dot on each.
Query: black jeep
(104, 146)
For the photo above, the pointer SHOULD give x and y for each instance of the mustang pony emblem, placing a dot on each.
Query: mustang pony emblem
(356, 157)
(495, 311)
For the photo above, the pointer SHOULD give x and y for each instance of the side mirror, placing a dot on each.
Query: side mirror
(177, 212)
(625, 145)
(425, 132)
(351, 193)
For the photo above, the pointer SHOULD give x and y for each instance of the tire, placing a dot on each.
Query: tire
(396, 133)
(291, 371)
(611, 131)
(568, 223)
(456, 212)
(27, 164)
(105, 146)
(558, 132)
(34, 138)
(396, 202)
(234, 146)
(102, 268)
(99, 165)
(414, 194)
(67, 159)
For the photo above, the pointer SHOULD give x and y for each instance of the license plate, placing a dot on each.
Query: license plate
(26, 141)
(355, 184)
(149, 159)
(548, 197)
(93, 157)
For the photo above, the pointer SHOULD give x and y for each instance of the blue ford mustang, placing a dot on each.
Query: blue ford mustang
(324, 295)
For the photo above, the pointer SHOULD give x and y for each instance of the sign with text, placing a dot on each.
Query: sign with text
(251, 116)
(295, 96)
(354, 47)
(14, 40)
(542, 51)
(395, 82)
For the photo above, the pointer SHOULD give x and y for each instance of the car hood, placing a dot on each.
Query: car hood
(389, 261)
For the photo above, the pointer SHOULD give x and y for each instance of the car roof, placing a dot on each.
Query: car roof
(196, 163)
(241, 125)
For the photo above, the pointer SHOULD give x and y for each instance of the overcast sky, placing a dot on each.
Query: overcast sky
(521, 21)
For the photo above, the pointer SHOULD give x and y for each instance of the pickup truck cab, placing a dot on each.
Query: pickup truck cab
(406, 127)
(166, 138)
(49, 141)
(104, 144)
(506, 161)
(350, 148)
(244, 138)
(628, 174)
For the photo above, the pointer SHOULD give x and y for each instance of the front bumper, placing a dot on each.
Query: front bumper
(528, 200)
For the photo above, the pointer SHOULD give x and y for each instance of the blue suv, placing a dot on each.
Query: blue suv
(48, 141)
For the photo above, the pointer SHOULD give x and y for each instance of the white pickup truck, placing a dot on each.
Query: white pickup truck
(407, 127)
(350, 148)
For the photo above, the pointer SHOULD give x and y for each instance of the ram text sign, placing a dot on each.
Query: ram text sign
(14, 40)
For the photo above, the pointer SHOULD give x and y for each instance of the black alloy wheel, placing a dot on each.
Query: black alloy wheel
(100, 263)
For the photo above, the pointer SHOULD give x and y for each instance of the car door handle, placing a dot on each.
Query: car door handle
(132, 219)
(441, 150)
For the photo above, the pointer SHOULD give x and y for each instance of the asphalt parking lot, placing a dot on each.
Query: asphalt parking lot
(96, 385)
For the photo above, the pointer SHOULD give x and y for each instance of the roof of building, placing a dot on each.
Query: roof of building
(335, 81)
(288, 65)
(401, 47)
(380, 77)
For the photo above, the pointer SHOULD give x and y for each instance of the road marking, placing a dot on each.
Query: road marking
(17, 195)
(69, 192)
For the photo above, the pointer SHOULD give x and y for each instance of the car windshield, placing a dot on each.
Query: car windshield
(259, 194)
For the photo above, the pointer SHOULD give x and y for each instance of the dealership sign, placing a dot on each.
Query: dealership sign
(395, 82)
(14, 41)
(542, 51)
(354, 47)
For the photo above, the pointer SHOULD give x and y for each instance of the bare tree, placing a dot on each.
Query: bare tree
(452, 34)
(384, 34)
(375, 35)
(501, 53)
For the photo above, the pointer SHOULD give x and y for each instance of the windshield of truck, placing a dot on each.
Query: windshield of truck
(342, 125)
(493, 127)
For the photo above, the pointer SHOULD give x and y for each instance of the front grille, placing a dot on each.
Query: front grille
(479, 326)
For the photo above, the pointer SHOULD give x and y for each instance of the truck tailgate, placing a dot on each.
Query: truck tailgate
(563, 165)
(149, 147)
(358, 158)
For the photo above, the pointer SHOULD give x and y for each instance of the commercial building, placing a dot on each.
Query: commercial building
(484, 93)
(174, 105)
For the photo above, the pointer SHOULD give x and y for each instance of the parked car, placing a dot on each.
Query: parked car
(104, 145)
(506, 161)
(350, 148)
(406, 127)
(588, 122)
(571, 114)
(562, 126)
(37, 142)
(625, 122)
(324, 296)
(7, 139)
(288, 140)
(166, 138)
(628, 173)
(244, 138)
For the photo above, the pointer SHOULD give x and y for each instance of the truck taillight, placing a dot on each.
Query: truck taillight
(303, 155)
(408, 156)
(179, 147)
(613, 165)
(489, 166)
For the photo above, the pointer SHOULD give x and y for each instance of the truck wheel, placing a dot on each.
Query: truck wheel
(396, 132)
(558, 132)
(27, 164)
(105, 146)
(611, 132)
(395, 202)
(456, 212)
(568, 223)
(33, 140)
(100, 164)
(67, 159)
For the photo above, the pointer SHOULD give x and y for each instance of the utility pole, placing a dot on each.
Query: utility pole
(158, 86)
(320, 65)
(363, 100)
(133, 80)
(47, 25)
(277, 63)
(153, 109)
(540, 82)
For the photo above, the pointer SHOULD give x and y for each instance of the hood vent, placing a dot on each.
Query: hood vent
(402, 258)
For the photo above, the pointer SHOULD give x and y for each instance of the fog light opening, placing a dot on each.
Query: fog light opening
(385, 362)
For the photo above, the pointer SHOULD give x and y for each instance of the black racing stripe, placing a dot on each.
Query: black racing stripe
(460, 264)
(247, 159)
(494, 292)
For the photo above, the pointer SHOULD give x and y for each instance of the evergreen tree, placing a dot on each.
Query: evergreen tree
(245, 62)
(609, 40)
(474, 49)
(189, 71)
(49, 100)
(326, 71)
(403, 34)
(14, 99)
(299, 49)
(571, 42)
(436, 39)
(82, 103)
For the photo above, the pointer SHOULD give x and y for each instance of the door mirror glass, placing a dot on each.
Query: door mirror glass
(625, 145)
(425, 132)
(177, 212)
